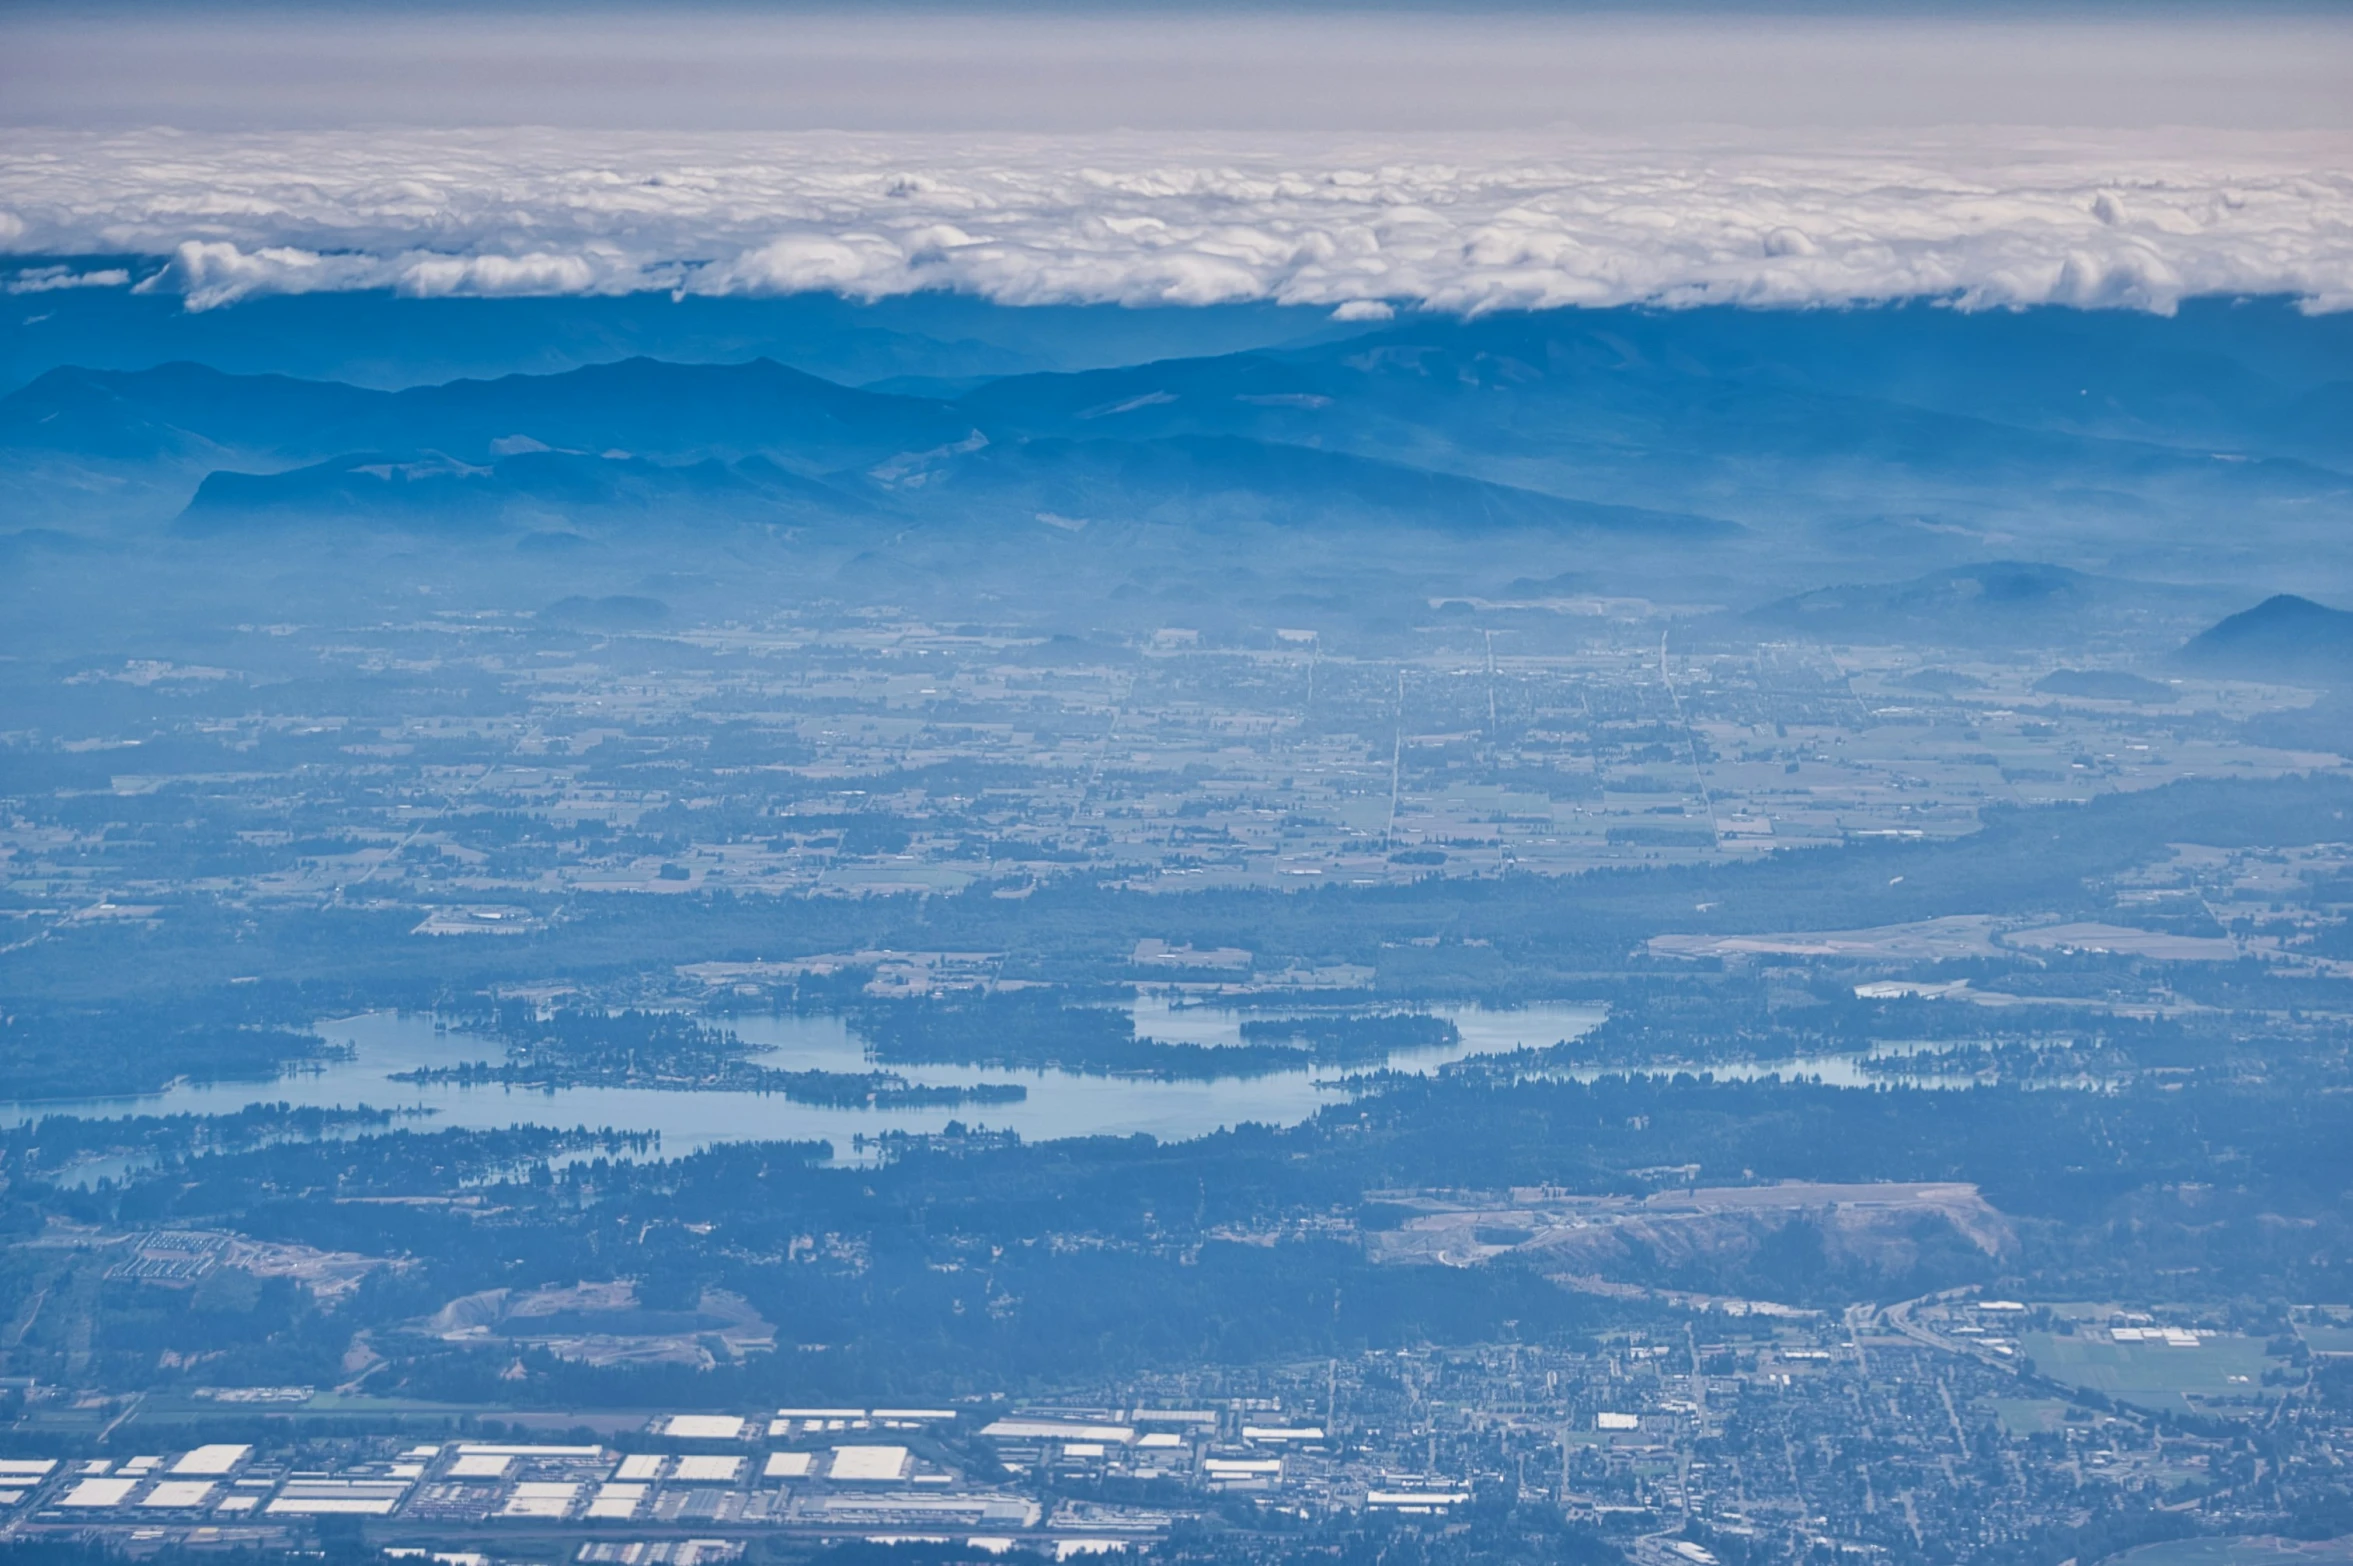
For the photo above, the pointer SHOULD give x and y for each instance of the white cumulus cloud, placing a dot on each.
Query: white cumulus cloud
(1467, 222)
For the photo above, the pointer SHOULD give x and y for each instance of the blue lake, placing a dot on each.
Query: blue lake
(1060, 1103)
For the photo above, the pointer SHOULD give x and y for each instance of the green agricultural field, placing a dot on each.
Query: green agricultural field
(2328, 1338)
(2025, 1416)
(2217, 1374)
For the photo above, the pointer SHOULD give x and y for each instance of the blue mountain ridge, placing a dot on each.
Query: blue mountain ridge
(646, 407)
(2285, 637)
(1661, 425)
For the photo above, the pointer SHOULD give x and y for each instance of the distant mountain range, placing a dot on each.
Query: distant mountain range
(537, 489)
(640, 407)
(1642, 430)
(2001, 602)
(2010, 603)
(755, 443)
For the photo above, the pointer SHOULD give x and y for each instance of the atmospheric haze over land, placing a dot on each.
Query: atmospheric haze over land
(1484, 787)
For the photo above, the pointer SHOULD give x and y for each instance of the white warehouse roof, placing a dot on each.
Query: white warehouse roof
(707, 1470)
(1057, 1430)
(868, 1462)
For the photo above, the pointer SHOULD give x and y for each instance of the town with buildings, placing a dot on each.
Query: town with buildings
(1927, 1430)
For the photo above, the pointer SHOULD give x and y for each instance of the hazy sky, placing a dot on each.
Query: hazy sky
(1081, 68)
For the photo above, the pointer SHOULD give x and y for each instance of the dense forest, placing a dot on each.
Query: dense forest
(957, 1267)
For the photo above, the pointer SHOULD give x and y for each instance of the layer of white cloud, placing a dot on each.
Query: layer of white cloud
(1464, 223)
